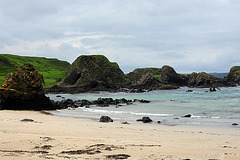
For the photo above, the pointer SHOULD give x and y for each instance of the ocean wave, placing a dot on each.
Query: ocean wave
(126, 112)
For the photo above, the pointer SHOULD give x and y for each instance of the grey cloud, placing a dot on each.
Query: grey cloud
(156, 32)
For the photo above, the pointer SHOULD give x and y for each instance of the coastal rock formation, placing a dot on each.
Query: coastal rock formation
(206, 80)
(147, 81)
(23, 90)
(234, 75)
(169, 76)
(94, 71)
(139, 72)
(156, 78)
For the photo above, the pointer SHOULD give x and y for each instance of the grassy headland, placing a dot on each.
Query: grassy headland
(51, 69)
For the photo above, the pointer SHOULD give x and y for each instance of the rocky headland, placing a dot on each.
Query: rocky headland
(23, 90)
(91, 73)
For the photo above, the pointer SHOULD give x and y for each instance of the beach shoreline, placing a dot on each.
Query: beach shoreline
(43, 136)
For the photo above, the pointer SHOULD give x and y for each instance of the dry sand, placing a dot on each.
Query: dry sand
(51, 137)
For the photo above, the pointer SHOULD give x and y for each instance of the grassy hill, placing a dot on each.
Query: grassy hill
(51, 69)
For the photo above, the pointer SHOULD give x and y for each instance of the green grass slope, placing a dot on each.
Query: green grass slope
(51, 69)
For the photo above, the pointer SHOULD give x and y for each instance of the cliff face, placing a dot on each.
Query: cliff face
(234, 75)
(87, 70)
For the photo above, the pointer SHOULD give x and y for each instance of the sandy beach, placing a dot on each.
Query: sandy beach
(52, 137)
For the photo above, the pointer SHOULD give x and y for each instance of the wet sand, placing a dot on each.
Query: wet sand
(52, 137)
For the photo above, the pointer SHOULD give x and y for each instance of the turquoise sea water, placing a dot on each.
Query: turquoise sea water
(220, 108)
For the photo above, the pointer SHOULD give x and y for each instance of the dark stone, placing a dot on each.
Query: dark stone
(187, 115)
(159, 122)
(82, 103)
(125, 123)
(27, 120)
(189, 90)
(145, 120)
(141, 101)
(212, 89)
(105, 119)
(118, 156)
(234, 124)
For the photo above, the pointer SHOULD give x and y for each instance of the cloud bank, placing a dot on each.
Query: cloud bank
(190, 35)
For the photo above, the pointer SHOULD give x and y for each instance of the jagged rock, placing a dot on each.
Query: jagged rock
(141, 101)
(82, 103)
(169, 76)
(23, 90)
(105, 119)
(234, 75)
(147, 81)
(135, 90)
(139, 72)
(94, 71)
(145, 120)
(204, 80)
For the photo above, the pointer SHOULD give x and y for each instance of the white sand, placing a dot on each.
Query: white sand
(49, 136)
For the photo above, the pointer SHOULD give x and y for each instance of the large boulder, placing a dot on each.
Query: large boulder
(92, 71)
(234, 75)
(23, 90)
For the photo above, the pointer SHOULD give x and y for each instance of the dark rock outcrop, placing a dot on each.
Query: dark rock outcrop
(234, 75)
(156, 78)
(147, 81)
(145, 120)
(139, 72)
(23, 90)
(94, 71)
(169, 76)
(204, 80)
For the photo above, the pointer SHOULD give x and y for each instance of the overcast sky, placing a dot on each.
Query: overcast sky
(189, 35)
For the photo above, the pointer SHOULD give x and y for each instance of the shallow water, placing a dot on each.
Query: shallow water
(219, 109)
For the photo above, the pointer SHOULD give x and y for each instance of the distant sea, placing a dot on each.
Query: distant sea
(218, 109)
